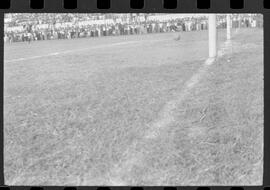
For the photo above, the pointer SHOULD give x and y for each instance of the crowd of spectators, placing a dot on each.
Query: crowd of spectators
(31, 27)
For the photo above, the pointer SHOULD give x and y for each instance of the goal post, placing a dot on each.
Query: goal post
(212, 35)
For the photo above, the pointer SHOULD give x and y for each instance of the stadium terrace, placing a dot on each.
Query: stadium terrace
(33, 27)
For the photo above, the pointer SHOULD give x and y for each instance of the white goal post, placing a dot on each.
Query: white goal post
(212, 33)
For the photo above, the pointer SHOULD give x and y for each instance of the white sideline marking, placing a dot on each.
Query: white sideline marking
(68, 51)
(210, 61)
(77, 50)
(167, 112)
(56, 53)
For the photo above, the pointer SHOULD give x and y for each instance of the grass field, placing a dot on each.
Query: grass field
(76, 110)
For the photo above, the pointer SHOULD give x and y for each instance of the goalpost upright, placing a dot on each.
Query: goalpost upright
(212, 35)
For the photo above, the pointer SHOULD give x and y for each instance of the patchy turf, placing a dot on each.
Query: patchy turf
(217, 138)
(69, 119)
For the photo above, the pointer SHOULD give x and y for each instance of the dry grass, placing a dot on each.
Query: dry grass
(217, 138)
(70, 119)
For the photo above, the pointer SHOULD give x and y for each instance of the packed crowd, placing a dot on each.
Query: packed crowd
(31, 27)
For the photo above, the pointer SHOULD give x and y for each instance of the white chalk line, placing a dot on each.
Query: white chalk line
(166, 118)
(78, 50)
(68, 51)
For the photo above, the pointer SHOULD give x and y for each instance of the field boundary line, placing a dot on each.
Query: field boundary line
(78, 50)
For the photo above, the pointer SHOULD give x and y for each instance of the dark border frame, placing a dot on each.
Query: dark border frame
(153, 6)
